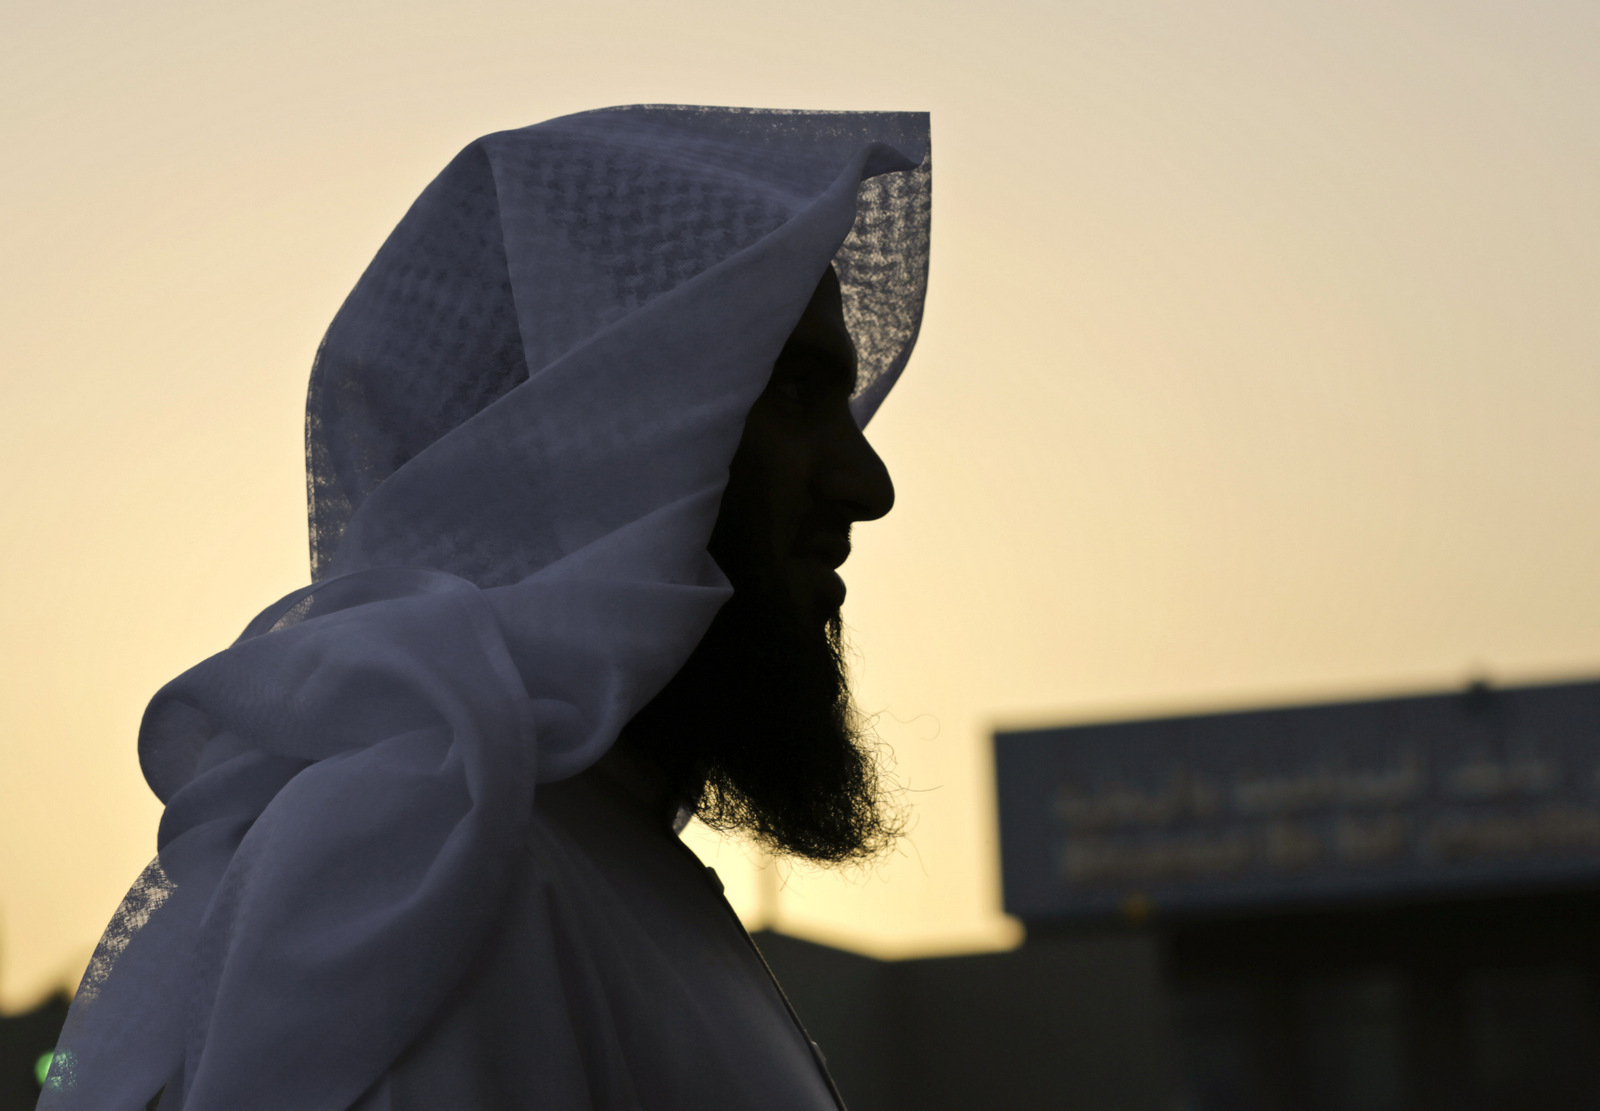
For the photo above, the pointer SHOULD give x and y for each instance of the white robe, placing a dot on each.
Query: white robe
(375, 866)
(618, 979)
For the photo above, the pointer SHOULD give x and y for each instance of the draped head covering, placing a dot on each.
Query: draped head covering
(518, 432)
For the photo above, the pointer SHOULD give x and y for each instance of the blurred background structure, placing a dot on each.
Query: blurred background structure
(1259, 370)
(1388, 905)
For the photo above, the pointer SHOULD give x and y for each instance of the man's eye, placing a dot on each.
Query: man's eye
(788, 388)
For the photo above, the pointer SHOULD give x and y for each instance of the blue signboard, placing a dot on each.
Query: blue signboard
(1488, 790)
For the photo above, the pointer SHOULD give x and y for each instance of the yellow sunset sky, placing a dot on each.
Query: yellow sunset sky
(1261, 363)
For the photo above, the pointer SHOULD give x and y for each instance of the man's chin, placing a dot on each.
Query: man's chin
(831, 596)
(817, 589)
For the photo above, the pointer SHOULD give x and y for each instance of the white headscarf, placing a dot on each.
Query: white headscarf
(518, 432)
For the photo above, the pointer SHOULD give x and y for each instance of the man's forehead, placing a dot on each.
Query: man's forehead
(821, 331)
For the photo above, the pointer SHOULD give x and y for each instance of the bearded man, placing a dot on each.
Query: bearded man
(584, 451)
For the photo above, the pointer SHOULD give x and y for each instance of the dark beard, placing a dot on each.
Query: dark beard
(758, 730)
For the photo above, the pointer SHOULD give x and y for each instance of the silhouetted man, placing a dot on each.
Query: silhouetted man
(583, 450)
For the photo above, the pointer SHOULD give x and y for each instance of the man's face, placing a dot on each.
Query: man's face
(757, 729)
(804, 466)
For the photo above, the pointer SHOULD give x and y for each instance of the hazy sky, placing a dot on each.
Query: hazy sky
(1261, 362)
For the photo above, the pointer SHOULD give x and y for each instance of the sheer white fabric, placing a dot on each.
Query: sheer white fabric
(518, 432)
(615, 979)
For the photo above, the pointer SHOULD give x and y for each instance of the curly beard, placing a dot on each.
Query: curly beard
(758, 729)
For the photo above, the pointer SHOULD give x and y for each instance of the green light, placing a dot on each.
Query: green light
(41, 1067)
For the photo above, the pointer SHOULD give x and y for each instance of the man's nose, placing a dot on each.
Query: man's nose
(855, 479)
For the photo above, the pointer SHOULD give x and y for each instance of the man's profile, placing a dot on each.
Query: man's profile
(757, 727)
(584, 451)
